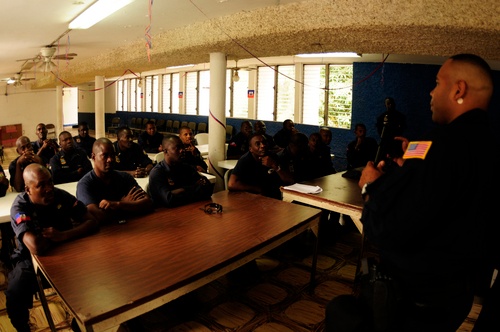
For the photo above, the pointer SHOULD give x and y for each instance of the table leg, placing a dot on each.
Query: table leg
(312, 281)
(45, 305)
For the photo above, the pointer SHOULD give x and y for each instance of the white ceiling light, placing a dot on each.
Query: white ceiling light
(179, 67)
(97, 12)
(330, 55)
(236, 77)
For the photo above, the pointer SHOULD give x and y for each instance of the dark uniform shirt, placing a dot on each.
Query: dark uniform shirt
(65, 165)
(164, 178)
(237, 146)
(149, 143)
(25, 216)
(252, 172)
(86, 143)
(92, 190)
(194, 159)
(130, 159)
(366, 151)
(433, 219)
(48, 153)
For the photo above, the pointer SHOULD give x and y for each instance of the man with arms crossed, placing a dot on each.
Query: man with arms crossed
(110, 195)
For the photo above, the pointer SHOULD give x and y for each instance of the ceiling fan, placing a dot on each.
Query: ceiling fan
(44, 59)
(17, 79)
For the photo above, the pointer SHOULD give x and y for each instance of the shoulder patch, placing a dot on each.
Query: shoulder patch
(417, 149)
(21, 217)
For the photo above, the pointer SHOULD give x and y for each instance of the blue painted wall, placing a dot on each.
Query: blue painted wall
(408, 84)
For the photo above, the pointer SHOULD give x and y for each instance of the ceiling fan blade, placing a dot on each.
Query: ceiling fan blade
(28, 65)
(68, 56)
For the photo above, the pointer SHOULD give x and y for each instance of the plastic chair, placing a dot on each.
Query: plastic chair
(202, 127)
(115, 123)
(175, 126)
(201, 138)
(51, 130)
(168, 126)
(192, 126)
(159, 157)
(160, 125)
(229, 132)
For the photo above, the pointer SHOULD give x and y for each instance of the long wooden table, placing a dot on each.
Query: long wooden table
(339, 195)
(128, 269)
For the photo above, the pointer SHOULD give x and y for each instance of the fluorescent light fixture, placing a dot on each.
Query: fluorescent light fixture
(330, 55)
(183, 66)
(97, 12)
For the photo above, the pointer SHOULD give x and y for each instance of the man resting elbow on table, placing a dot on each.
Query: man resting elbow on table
(40, 217)
(173, 182)
(111, 195)
(256, 171)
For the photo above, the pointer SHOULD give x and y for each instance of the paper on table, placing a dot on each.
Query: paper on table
(304, 188)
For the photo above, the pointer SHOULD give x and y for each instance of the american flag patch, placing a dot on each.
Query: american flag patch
(417, 149)
(21, 217)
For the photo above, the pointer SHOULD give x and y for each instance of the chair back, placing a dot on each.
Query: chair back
(202, 127)
(184, 124)
(229, 132)
(160, 125)
(168, 126)
(51, 130)
(201, 138)
(159, 157)
(192, 126)
(175, 126)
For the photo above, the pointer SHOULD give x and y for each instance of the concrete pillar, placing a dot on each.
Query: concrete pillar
(100, 124)
(59, 110)
(217, 117)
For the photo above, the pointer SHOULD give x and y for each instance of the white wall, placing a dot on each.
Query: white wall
(31, 107)
(28, 107)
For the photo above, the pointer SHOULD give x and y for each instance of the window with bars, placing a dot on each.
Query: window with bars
(326, 94)
(166, 92)
(151, 93)
(327, 98)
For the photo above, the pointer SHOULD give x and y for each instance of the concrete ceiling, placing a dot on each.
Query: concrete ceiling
(187, 31)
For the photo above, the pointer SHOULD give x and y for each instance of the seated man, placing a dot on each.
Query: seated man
(297, 162)
(26, 156)
(129, 155)
(41, 217)
(282, 137)
(83, 140)
(110, 195)
(321, 155)
(256, 172)
(150, 140)
(70, 163)
(190, 154)
(238, 145)
(326, 135)
(362, 149)
(260, 128)
(172, 182)
(45, 147)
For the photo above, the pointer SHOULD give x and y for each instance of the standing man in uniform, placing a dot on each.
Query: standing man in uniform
(433, 217)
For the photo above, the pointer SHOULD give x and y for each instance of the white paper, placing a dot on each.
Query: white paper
(304, 188)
